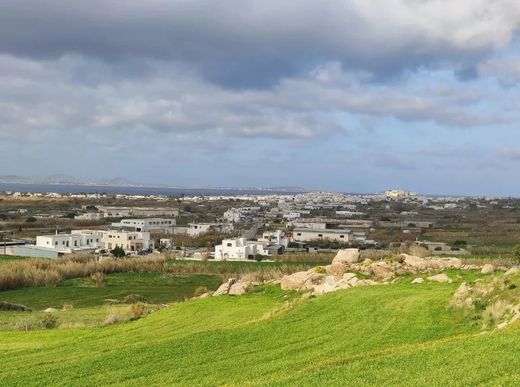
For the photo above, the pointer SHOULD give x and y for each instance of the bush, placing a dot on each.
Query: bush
(112, 319)
(118, 252)
(26, 325)
(99, 279)
(49, 321)
(135, 298)
(138, 310)
(320, 270)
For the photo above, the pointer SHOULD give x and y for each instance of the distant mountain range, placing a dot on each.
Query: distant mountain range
(60, 179)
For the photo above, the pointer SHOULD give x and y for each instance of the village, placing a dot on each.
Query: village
(240, 227)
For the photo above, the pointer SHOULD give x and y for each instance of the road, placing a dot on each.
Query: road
(251, 233)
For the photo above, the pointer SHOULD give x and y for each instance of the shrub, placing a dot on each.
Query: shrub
(112, 319)
(320, 270)
(135, 298)
(99, 279)
(118, 252)
(138, 310)
(26, 325)
(49, 321)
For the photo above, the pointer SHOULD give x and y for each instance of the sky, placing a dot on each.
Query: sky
(351, 96)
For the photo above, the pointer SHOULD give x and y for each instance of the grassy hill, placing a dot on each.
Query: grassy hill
(398, 334)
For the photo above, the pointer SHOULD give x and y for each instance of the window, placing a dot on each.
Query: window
(320, 235)
(299, 234)
(342, 236)
(229, 245)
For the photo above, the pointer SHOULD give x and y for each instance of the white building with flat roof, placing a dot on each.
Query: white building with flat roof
(307, 234)
(69, 243)
(130, 241)
(235, 249)
(147, 224)
(89, 216)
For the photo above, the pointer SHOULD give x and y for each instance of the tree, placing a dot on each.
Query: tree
(516, 254)
(118, 252)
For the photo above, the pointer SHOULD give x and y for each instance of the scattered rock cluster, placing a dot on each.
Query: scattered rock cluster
(341, 273)
(232, 287)
(348, 270)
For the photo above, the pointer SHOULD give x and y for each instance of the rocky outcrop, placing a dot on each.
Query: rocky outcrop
(302, 280)
(487, 269)
(232, 287)
(224, 288)
(511, 271)
(239, 288)
(382, 270)
(461, 297)
(417, 281)
(415, 262)
(440, 278)
(347, 256)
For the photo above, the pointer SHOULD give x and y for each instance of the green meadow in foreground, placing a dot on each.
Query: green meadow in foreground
(398, 334)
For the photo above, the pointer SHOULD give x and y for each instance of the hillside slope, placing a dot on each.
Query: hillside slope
(392, 335)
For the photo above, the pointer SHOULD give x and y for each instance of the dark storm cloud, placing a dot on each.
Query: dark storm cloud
(254, 43)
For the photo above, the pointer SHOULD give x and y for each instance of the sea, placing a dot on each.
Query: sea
(137, 190)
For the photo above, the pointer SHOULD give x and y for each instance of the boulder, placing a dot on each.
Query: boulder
(329, 285)
(381, 271)
(511, 271)
(440, 278)
(444, 263)
(461, 296)
(415, 262)
(50, 310)
(347, 256)
(348, 276)
(487, 269)
(418, 281)
(224, 288)
(301, 280)
(337, 268)
(238, 288)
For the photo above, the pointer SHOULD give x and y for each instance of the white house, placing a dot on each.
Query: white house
(69, 243)
(307, 234)
(147, 224)
(275, 237)
(130, 241)
(237, 249)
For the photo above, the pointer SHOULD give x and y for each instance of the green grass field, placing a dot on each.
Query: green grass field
(156, 287)
(381, 335)
(89, 307)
